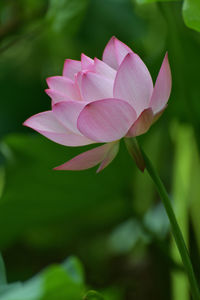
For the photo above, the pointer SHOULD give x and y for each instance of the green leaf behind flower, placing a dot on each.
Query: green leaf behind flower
(56, 282)
(191, 14)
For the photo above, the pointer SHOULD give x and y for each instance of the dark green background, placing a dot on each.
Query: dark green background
(113, 222)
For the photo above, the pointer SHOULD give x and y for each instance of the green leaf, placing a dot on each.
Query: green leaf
(8, 287)
(191, 14)
(74, 268)
(56, 282)
(93, 295)
(190, 9)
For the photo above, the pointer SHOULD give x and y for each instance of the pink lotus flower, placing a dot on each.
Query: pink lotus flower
(102, 101)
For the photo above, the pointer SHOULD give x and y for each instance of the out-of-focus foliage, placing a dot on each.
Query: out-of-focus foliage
(36, 198)
(66, 14)
(112, 221)
(56, 282)
(191, 14)
(191, 11)
(182, 135)
(151, 1)
(92, 295)
(2, 272)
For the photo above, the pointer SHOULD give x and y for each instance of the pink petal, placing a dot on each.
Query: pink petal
(103, 69)
(86, 62)
(142, 124)
(46, 124)
(162, 87)
(106, 120)
(87, 159)
(78, 79)
(78, 82)
(65, 86)
(67, 113)
(95, 87)
(111, 154)
(114, 52)
(56, 96)
(133, 83)
(71, 67)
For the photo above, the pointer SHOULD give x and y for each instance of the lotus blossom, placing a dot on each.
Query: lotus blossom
(102, 101)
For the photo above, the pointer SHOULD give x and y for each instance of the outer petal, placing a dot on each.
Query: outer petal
(88, 159)
(114, 52)
(111, 154)
(162, 87)
(47, 124)
(67, 113)
(106, 120)
(142, 124)
(103, 69)
(56, 96)
(65, 86)
(95, 87)
(86, 62)
(71, 67)
(133, 83)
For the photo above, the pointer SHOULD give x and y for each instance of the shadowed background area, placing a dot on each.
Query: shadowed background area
(112, 222)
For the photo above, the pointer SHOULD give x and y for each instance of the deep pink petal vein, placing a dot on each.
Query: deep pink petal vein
(102, 101)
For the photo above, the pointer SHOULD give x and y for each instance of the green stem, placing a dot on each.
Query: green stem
(175, 227)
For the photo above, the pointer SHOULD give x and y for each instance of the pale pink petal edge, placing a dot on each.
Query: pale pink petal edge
(87, 160)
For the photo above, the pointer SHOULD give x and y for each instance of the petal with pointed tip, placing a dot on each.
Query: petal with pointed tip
(162, 87)
(109, 157)
(103, 69)
(114, 52)
(56, 96)
(95, 87)
(65, 86)
(46, 124)
(142, 124)
(71, 67)
(133, 83)
(86, 62)
(106, 120)
(67, 113)
(87, 159)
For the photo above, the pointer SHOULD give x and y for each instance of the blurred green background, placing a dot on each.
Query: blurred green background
(111, 226)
